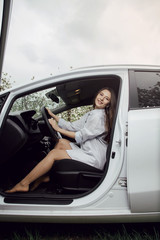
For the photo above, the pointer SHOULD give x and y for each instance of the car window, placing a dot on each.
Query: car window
(36, 101)
(148, 86)
(76, 113)
(144, 89)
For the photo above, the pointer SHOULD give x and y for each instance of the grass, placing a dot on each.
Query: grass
(28, 231)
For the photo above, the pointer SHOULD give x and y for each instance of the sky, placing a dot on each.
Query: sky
(50, 37)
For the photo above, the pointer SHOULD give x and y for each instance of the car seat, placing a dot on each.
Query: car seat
(72, 176)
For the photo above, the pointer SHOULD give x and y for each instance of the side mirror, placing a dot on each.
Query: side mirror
(52, 96)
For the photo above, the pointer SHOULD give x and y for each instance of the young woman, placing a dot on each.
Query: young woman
(91, 134)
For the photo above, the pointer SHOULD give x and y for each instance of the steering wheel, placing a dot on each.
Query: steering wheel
(52, 131)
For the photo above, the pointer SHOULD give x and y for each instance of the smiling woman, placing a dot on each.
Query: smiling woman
(102, 99)
(97, 126)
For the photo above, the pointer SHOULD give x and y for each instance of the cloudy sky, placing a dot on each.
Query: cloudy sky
(48, 37)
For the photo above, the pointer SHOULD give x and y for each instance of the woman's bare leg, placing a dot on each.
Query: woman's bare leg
(63, 144)
(41, 169)
(43, 179)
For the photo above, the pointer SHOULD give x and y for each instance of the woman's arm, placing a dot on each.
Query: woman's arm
(73, 126)
(93, 128)
(61, 130)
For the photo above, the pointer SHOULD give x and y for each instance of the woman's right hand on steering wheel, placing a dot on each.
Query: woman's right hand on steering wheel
(52, 115)
(54, 124)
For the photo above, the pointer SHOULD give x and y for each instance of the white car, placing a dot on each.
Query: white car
(128, 188)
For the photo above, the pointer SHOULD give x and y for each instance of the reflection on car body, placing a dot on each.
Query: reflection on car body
(127, 189)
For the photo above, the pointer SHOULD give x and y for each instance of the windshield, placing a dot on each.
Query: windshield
(36, 101)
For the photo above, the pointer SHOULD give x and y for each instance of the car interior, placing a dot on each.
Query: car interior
(27, 137)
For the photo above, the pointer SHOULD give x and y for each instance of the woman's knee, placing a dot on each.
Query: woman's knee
(62, 144)
(58, 154)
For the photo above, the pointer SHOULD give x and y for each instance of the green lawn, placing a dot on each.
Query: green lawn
(33, 231)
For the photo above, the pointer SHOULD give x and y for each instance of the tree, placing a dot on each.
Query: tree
(75, 113)
(5, 82)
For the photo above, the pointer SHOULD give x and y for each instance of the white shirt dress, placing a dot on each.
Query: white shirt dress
(90, 146)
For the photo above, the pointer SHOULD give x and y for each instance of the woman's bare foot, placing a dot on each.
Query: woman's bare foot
(43, 179)
(19, 187)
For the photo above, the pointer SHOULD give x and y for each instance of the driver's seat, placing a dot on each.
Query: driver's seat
(72, 176)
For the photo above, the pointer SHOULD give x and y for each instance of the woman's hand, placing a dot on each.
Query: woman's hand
(61, 130)
(54, 124)
(53, 115)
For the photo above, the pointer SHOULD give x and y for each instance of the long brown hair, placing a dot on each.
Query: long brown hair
(109, 111)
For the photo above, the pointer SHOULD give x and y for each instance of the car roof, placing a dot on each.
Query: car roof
(121, 66)
(86, 71)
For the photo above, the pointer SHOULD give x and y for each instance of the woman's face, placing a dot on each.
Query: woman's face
(102, 99)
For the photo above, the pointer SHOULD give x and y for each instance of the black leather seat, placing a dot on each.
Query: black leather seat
(72, 176)
(13, 138)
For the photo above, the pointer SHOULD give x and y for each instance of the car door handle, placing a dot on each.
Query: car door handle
(119, 142)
